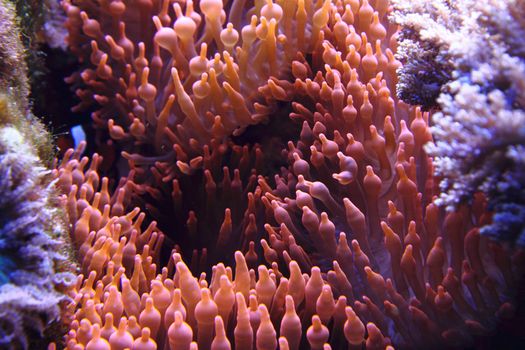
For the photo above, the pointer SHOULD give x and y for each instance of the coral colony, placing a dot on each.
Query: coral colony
(479, 131)
(34, 272)
(293, 174)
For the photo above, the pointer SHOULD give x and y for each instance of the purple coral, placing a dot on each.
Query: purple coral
(479, 134)
(30, 246)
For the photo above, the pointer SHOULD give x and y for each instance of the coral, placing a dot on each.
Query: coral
(428, 30)
(35, 265)
(479, 131)
(53, 29)
(325, 236)
(34, 268)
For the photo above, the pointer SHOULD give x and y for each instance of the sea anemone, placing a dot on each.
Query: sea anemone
(325, 236)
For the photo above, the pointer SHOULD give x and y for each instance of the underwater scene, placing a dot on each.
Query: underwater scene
(262, 174)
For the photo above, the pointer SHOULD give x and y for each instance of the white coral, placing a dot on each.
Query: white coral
(480, 129)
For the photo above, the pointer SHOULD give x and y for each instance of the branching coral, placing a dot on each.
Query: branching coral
(344, 234)
(428, 29)
(479, 132)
